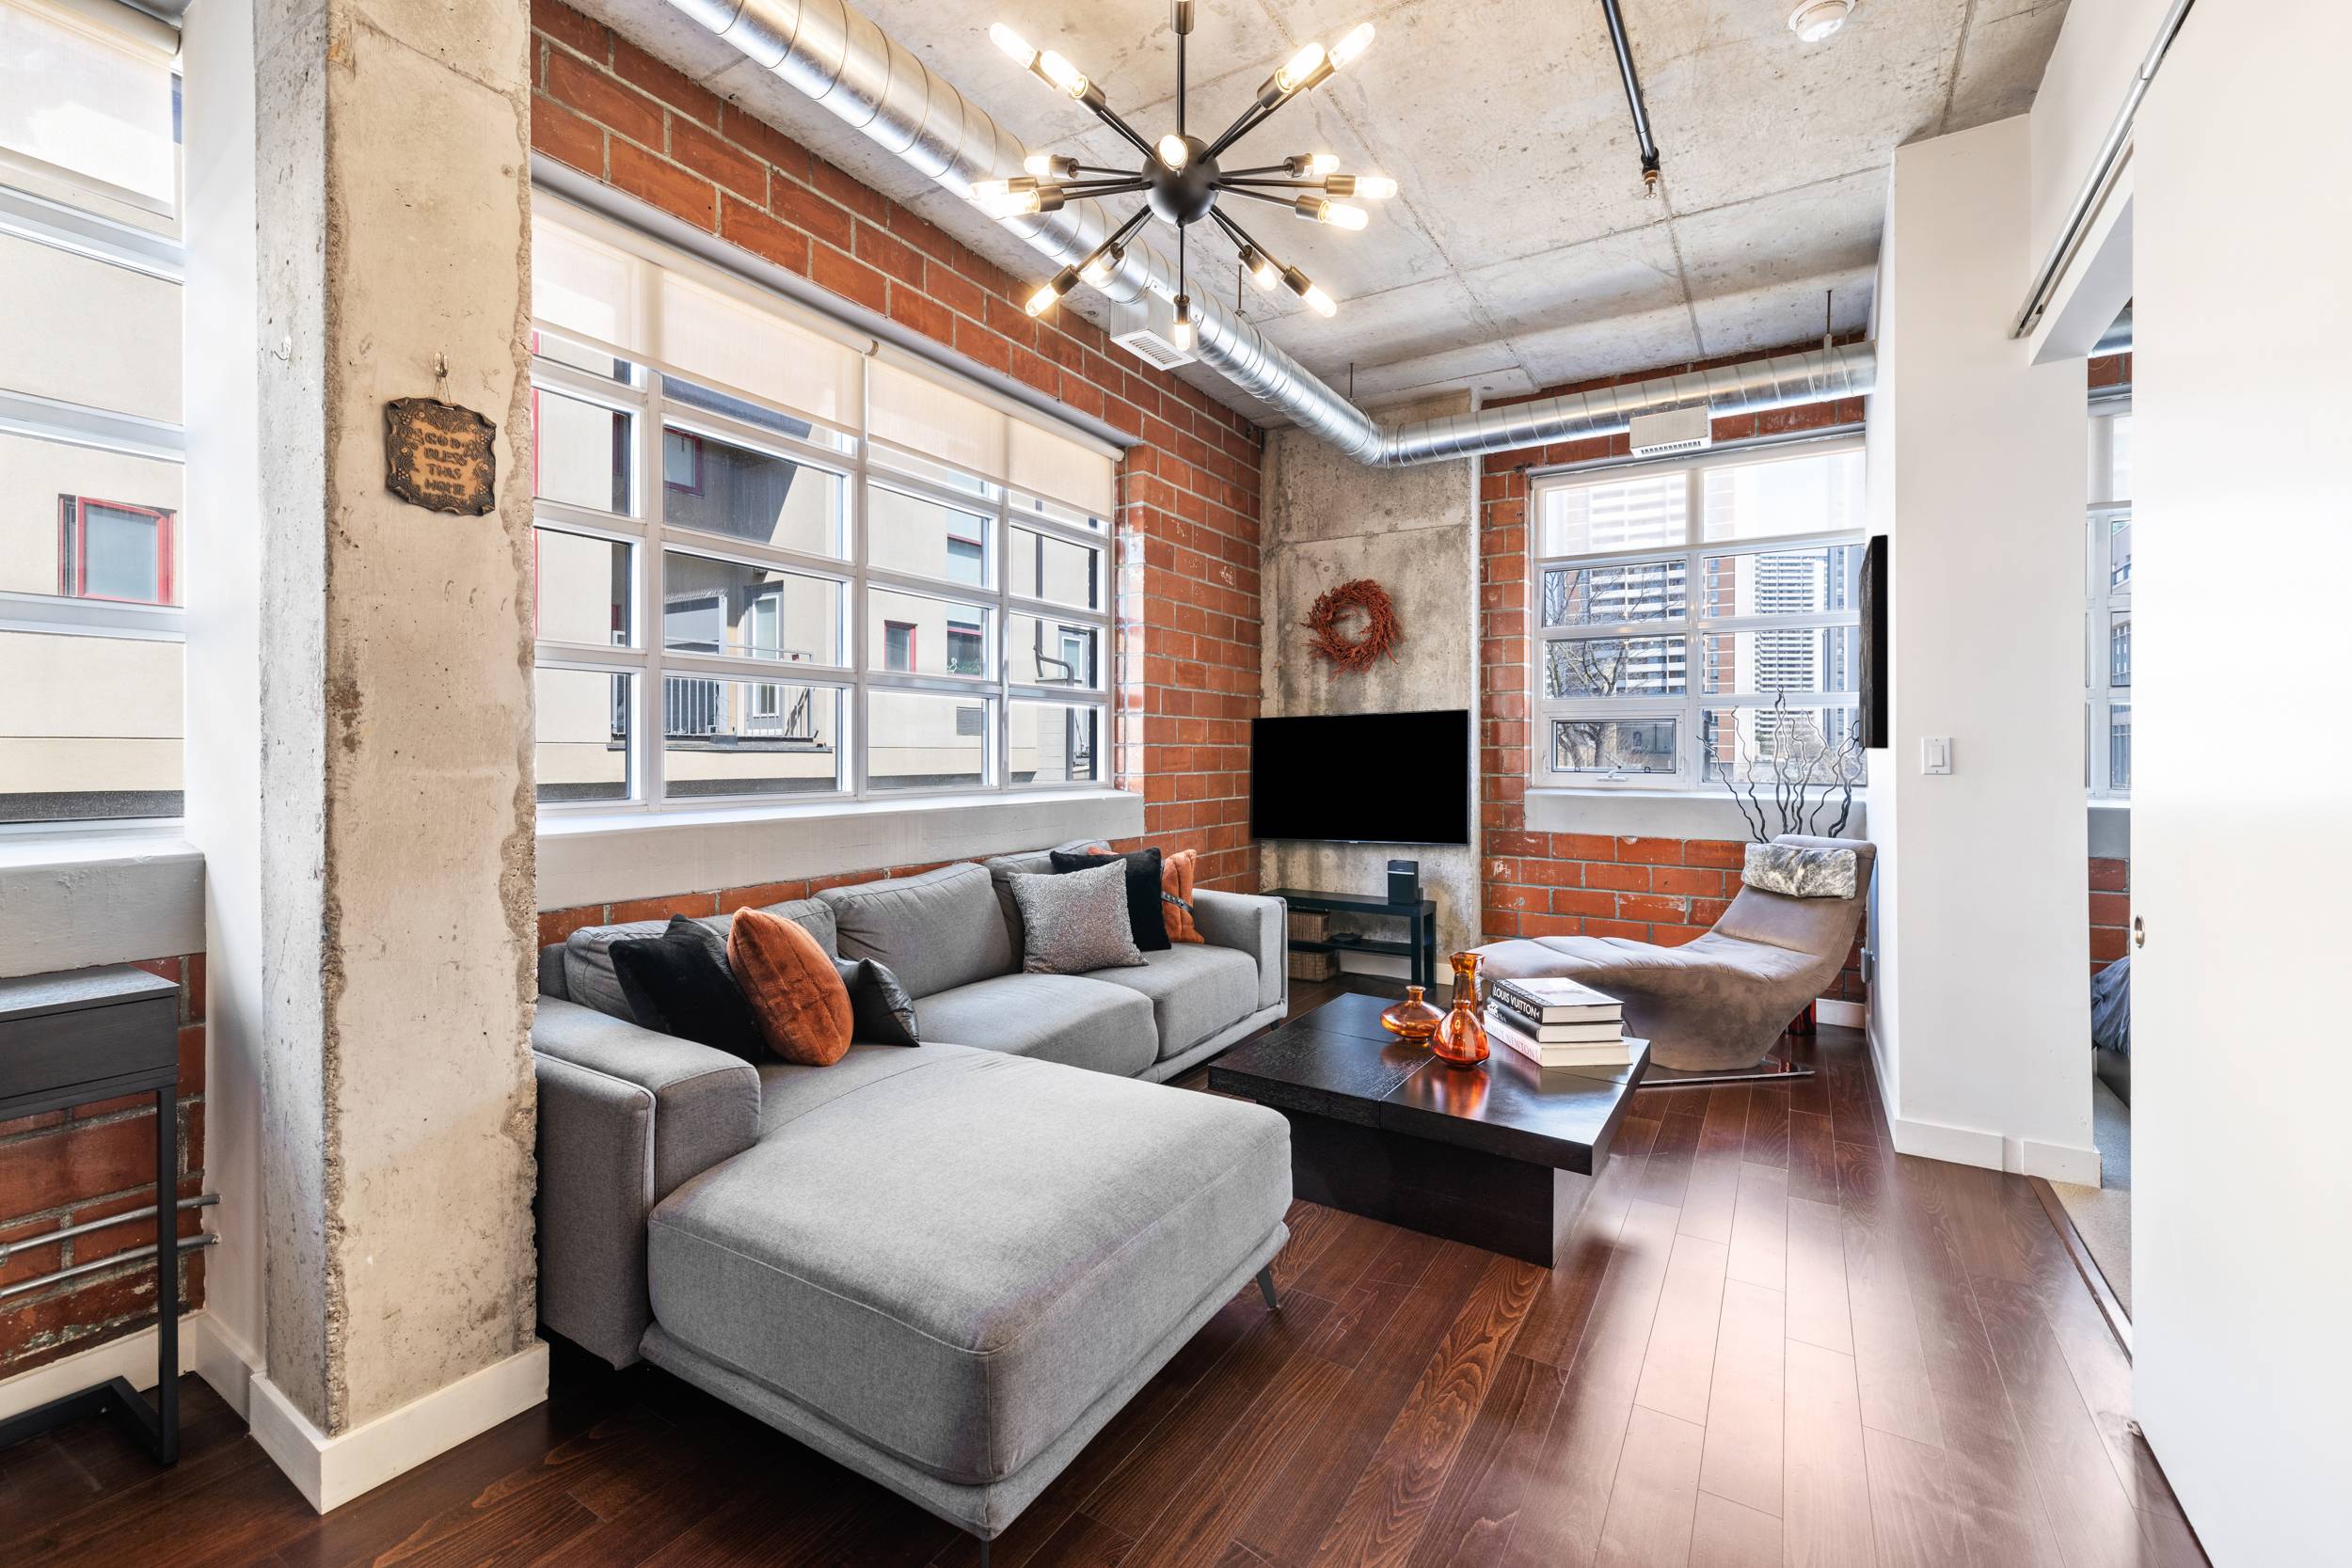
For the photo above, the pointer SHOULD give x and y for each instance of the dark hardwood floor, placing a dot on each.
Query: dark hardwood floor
(1776, 1341)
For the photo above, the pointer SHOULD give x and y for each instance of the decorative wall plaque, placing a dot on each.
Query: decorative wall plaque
(439, 455)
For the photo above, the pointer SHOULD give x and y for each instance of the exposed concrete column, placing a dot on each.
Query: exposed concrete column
(1326, 519)
(397, 816)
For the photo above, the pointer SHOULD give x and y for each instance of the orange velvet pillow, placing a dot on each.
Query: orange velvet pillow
(1176, 882)
(795, 992)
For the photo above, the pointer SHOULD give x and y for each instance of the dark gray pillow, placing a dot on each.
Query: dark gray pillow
(678, 983)
(880, 1012)
(1075, 921)
(1145, 923)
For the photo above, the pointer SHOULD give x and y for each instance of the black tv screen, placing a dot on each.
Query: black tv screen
(1362, 778)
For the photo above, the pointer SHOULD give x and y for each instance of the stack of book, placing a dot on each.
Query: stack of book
(1559, 1024)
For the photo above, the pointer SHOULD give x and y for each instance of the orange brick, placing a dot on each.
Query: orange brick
(556, 924)
(678, 192)
(1650, 851)
(694, 904)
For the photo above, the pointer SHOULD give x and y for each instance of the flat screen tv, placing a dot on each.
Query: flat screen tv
(1362, 778)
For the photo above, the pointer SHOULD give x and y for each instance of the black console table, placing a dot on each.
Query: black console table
(69, 1038)
(1420, 927)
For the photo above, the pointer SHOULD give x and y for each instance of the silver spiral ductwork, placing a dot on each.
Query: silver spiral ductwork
(840, 58)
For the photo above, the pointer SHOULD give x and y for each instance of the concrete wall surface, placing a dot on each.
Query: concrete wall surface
(1329, 519)
(2242, 1369)
(397, 824)
(1982, 945)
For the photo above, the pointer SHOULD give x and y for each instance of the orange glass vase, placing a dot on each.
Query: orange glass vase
(1412, 1021)
(1461, 1038)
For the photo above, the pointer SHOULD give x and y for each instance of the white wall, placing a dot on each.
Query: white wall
(2098, 53)
(2241, 1270)
(224, 674)
(1978, 476)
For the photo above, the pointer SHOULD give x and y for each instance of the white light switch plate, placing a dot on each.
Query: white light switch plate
(1936, 753)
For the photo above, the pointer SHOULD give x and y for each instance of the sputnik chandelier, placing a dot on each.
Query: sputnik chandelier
(1181, 178)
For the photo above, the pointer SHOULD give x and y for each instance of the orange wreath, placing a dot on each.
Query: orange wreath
(1362, 648)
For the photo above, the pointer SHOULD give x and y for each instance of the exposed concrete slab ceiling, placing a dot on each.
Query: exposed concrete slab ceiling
(1521, 251)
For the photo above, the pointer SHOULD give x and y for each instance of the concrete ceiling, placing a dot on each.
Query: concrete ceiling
(1521, 251)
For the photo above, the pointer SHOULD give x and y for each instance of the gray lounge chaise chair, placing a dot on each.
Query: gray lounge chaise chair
(1717, 1004)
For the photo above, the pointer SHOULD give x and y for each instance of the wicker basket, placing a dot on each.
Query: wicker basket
(1312, 926)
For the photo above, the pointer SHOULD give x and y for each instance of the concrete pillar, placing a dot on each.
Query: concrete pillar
(396, 863)
(1327, 519)
(1979, 1004)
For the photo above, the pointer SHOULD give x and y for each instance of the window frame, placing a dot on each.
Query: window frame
(73, 549)
(1689, 709)
(2102, 600)
(858, 462)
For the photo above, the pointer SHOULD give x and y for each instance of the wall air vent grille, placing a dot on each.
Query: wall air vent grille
(1676, 430)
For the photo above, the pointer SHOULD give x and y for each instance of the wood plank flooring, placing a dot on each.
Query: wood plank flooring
(1773, 1341)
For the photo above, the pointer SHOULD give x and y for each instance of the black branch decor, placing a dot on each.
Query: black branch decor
(1793, 774)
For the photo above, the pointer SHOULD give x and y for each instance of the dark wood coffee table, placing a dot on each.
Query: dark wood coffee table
(1501, 1155)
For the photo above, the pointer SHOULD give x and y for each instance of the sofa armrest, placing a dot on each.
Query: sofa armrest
(626, 1117)
(1252, 924)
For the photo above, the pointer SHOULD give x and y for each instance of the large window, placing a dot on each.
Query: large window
(2107, 606)
(860, 576)
(92, 542)
(1699, 622)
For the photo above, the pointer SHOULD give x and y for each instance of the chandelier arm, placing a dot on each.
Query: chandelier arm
(1120, 186)
(1236, 233)
(1236, 182)
(1257, 195)
(1284, 168)
(1250, 120)
(1104, 112)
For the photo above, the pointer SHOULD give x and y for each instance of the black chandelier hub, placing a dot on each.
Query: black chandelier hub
(1182, 196)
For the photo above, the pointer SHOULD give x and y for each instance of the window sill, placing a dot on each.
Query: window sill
(72, 900)
(1657, 813)
(605, 858)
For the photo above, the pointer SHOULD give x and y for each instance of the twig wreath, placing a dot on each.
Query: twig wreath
(1357, 648)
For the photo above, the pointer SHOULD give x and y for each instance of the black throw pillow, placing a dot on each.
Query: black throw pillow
(1145, 923)
(880, 1012)
(679, 984)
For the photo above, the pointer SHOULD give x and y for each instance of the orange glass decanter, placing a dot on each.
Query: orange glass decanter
(1461, 1038)
(1412, 1021)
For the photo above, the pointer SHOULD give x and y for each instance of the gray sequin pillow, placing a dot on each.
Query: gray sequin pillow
(1075, 921)
(1799, 873)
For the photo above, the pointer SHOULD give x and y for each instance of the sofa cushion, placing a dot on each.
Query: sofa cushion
(1075, 922)
(1195, 990)
(588, 977)
(1031, 863)
(1070, 1019)
(798, 998)
(680, 983)
(1144, 921)
(936, 931)
(959, 1304)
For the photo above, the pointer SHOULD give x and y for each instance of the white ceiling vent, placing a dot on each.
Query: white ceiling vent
(1146, 327)
(1676, 430)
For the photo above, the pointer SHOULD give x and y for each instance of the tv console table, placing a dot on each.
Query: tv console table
(1421, 926)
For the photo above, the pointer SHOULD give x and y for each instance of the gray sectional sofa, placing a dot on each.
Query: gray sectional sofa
(945, 1266)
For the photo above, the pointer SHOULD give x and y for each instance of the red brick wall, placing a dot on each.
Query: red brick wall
(1659, 890)
(1188, 510)
(2110, 911)
(62, 1167)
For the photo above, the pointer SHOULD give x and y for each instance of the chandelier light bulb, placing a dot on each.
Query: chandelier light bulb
(1313, 166)
(1319, 302)
(1175, 152)
(1358, 38)
(1047, 165)
(1101, 264)
(1262, 270)
(1336, 213)
(1374, 187)
(1062, 73)
(1300, 68)
(1014, 44)
(1181, 334)
(991, 190)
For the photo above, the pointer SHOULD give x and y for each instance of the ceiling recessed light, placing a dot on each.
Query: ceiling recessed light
(1815, 20)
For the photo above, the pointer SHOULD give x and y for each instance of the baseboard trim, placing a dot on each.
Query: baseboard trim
(1969, 1146)
(331, 1471)
(226, 1363)
(1845, 1014)
(132, 1356)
